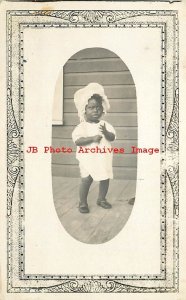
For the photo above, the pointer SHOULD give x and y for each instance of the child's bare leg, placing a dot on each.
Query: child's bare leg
(103, 189)
(83, 193)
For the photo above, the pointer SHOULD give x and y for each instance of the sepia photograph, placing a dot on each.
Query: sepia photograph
(91, 99)
(99, 110)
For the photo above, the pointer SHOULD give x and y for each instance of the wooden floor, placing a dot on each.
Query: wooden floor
(100, 225)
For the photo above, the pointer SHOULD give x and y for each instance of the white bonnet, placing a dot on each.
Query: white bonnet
(82, 96)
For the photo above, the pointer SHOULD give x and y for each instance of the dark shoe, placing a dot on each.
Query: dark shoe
(103, 203)
(131, 201)
(84, 209)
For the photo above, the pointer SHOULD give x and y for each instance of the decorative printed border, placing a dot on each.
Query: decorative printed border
(170, 1)
(167, 22)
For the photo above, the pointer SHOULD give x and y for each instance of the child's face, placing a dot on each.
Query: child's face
(93, 110)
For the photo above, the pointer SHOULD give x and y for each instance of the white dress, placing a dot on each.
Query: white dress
(97, 165)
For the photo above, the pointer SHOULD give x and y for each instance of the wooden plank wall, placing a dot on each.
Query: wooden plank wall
(102, 66)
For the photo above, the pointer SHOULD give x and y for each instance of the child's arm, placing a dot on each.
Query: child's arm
(88, 140)
(110, 136)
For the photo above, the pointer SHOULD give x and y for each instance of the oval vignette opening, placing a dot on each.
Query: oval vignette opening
(99, 225)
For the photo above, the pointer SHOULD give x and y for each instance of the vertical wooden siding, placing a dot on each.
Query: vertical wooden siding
(102, 66)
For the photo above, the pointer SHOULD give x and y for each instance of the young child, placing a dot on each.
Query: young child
(91, 103)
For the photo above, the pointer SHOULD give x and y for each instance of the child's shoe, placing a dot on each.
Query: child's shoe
(83, 208)
(104, 203)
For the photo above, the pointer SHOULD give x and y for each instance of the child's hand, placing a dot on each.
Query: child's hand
(97, 138)
(103, 129)
(108, 135)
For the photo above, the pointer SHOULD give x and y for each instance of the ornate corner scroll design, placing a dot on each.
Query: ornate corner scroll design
(91, 16)
(12, 153)
(173, 175)
(103, 286)
(86, 286)
(172, 131)
(173, 148)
